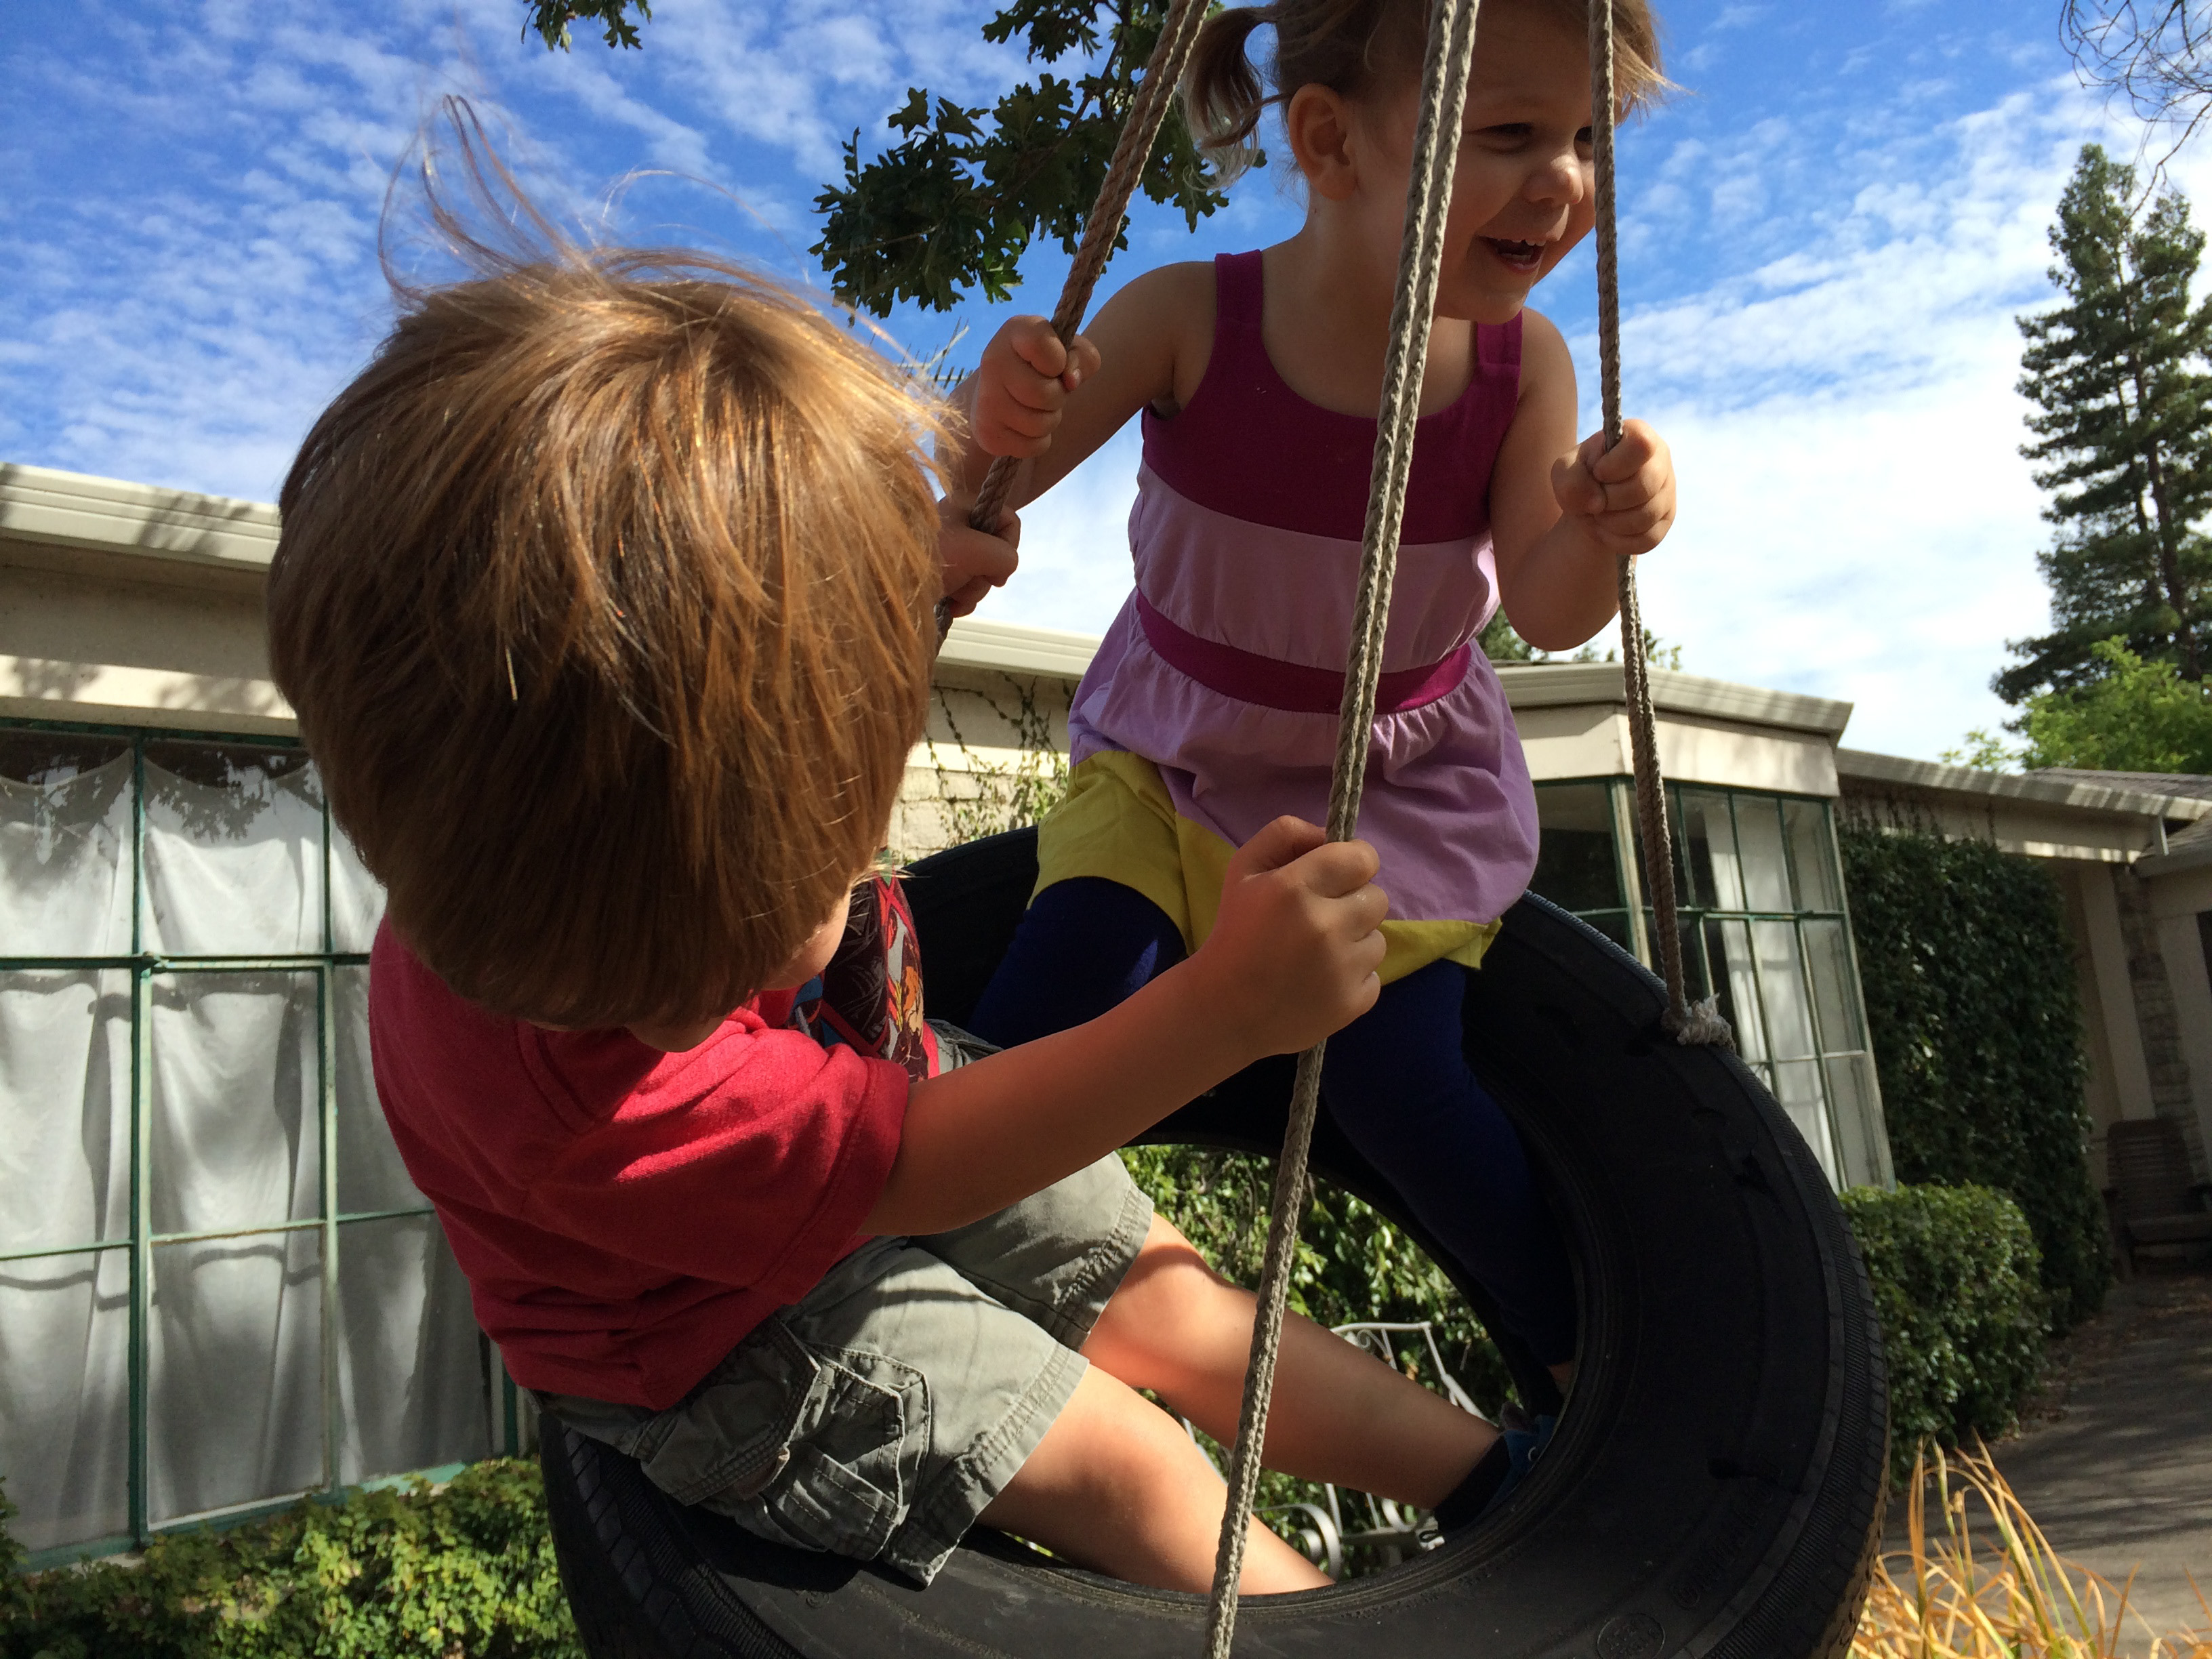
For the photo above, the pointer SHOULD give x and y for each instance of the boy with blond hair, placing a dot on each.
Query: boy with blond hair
(604, 599)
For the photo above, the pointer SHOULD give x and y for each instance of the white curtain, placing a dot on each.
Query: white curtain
(237, 1385)
(66, 1150)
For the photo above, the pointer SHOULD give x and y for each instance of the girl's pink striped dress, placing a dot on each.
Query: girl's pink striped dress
(1210, 708)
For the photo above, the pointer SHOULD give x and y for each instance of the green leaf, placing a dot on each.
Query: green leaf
(551, 19)
(2138, 717)
(1963, 1318)
(952, 205)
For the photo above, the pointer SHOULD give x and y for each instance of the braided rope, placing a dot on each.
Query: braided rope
(1428, 198)
(1700, 1023)
(1155, 95)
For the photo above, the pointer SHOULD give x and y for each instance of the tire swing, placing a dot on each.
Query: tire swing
(1716, 1488)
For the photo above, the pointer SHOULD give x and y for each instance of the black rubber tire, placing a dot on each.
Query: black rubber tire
(1716, 1488)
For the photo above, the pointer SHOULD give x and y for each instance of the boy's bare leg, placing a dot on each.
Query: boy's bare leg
(1179, 1328)
(1117, 1486)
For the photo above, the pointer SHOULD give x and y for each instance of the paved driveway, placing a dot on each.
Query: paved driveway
(2116, 1464)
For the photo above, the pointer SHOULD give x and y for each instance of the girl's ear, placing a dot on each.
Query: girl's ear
(1319, 124)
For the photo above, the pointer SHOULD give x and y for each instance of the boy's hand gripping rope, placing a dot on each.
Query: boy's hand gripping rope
(1428, 200)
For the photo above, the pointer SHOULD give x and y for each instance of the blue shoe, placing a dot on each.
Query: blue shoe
(1497, 1471)
(1523, 1446)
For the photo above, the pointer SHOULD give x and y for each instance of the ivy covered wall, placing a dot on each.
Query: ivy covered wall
(1972, 1001)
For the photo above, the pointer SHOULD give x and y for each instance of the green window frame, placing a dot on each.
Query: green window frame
(147, 968)
(1782, 959)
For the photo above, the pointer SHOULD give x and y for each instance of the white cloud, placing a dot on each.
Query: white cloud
(1075, 546)
(1820, 307)
(1857, 521)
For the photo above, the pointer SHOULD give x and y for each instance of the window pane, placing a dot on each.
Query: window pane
(1850, 1099)
(370, 1174)
(65, 1396)
(1797, 1087)
(64, 845)
(236, 1112)
(1682, 893)
(410, 1371)
(1574, 859)
(236, 1407)
(1715, 878)
(1730, 944)
(234, 851)
(1782, 988)
(1759, 845)
(64, 1109)
(356, 897)
(1695, 985)
(1828, 952)
(1812, 855)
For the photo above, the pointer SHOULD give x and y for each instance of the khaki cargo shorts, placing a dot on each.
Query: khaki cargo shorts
(880, 1415)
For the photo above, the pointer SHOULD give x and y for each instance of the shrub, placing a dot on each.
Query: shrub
(1956, 1285)
(465, 1570)
(1976, 1021)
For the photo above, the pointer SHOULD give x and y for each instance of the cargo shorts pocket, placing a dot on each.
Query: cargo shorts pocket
(820, 1448)
(854, 1464)
(731, 1435)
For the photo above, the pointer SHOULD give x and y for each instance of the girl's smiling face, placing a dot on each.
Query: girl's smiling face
(1523, 192)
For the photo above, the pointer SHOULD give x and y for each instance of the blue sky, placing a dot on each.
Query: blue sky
(1824, 241)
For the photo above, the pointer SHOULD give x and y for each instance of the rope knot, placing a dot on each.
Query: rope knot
(1699, 1025)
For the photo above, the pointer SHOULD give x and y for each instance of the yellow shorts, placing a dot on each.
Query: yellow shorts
(1120, 822)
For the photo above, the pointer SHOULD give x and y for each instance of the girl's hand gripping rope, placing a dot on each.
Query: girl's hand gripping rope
(1022, 387)
(1622, 498)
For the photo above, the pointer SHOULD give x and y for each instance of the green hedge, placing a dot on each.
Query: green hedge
(1955, 1273)
(400, 1573)
(1976, 1020)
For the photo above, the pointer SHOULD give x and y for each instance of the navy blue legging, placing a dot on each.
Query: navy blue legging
(1395, 1080)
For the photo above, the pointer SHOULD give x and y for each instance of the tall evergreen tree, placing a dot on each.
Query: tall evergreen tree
(2118, 374)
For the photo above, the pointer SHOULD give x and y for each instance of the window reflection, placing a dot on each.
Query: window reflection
(1764, 932)
(65, 844)
(1574, 859)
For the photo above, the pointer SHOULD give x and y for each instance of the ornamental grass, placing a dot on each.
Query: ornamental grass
(1978, 1580)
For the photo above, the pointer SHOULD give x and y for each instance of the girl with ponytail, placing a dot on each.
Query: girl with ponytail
(1211, 708)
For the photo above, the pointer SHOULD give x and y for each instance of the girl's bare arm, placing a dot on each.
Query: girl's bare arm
(1562, 514)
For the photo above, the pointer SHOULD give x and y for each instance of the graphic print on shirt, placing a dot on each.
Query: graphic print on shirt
(870, 995)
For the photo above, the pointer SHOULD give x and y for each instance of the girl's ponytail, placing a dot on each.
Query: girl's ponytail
(1223, 98)
(1342, 44)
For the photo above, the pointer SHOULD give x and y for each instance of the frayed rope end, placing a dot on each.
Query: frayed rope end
(1701, 1026)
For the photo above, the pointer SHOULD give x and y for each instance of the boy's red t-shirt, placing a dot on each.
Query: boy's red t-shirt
(624, 1216)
